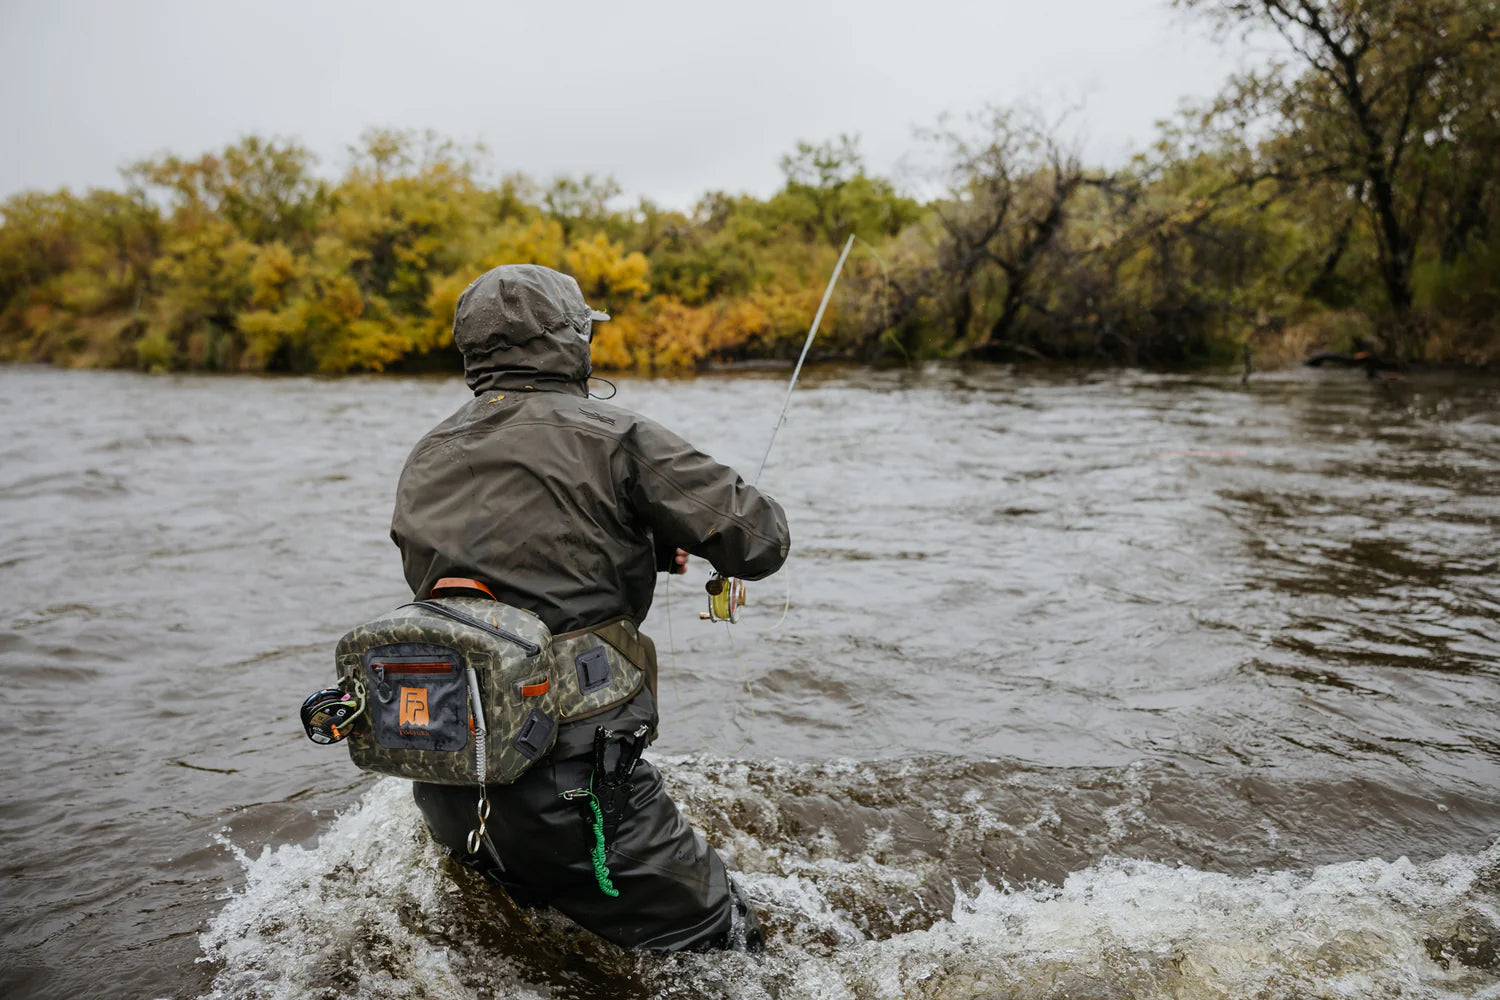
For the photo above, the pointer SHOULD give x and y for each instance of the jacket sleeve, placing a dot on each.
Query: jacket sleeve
(689, 500)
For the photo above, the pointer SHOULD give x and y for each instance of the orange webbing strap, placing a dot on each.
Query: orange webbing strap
(460, 583)
(533, 690)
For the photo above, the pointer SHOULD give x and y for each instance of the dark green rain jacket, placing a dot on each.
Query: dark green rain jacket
(564, 505)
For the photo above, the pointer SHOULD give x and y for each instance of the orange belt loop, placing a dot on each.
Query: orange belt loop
(461, 583)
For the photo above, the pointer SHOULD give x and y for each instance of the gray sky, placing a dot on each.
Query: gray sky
(673, 98)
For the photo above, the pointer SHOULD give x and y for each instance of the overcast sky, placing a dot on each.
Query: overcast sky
(672, 98)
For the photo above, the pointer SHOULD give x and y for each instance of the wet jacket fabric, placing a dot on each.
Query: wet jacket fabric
(559, 502)
(567, 507)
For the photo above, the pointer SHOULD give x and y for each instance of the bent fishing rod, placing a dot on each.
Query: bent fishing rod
(726, 594)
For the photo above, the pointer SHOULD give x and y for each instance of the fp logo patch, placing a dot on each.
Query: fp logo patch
(413, 708)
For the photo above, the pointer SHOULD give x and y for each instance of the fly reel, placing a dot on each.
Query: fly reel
(726, 595)
(328, 714)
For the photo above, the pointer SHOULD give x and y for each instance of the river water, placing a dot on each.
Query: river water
(1075, 685)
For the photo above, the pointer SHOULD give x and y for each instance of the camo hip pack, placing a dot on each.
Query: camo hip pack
(468, 690)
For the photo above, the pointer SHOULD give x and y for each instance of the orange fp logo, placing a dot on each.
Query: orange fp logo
(413, 707)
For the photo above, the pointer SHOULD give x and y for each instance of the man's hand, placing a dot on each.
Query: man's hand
(679, 562)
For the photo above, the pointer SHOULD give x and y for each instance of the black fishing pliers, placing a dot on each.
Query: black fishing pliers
(612, 788)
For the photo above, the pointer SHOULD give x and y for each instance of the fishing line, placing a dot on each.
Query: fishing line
(806, 346)
(672, 662)
(727, 593)
(749, 692)
(786, 606)
(885, 309)
(885, 299)
(723, 605)
(739, 663)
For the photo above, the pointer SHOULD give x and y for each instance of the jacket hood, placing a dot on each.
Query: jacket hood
(524, 324)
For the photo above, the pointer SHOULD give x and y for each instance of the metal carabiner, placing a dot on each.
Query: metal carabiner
(477, 835)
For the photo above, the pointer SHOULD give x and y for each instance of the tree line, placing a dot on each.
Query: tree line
(1345, 191)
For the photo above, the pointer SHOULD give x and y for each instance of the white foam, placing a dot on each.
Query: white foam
(350, 914)
(368, 912)
(1140, 929)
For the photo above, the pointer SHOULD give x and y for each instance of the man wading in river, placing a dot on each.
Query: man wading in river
(567, 508)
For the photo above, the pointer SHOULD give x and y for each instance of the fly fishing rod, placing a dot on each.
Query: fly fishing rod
(726, 594)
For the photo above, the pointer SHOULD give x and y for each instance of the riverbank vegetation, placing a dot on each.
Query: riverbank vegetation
(1348, 191)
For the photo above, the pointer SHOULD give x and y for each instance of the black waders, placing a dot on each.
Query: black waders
(672, 892)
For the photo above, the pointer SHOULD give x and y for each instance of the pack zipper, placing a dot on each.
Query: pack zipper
(380, 668)
(532, 649)
(387, 667)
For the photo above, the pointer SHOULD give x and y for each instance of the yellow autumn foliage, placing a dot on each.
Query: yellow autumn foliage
(538, 241)
(247, 259)
(612, 348)
(605, 272)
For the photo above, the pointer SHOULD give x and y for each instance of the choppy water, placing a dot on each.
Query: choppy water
(1105, 685)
